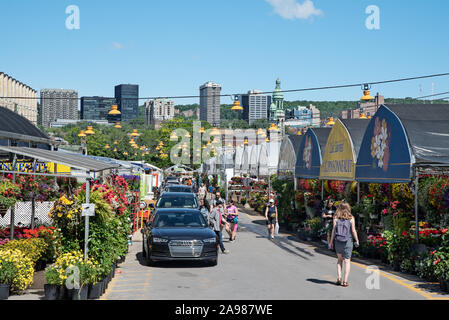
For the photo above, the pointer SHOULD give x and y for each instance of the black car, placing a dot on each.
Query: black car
(172, 180)
(185, 200)
(179, 234)
(178, 188)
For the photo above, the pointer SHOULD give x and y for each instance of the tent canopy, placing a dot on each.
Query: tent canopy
(71, 160)
(287, 154)
(342, 148)
(309, 158)
(400, 137)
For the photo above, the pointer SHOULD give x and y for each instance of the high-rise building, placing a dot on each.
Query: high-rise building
(58, 104)
(159, 110)
(18, 97)
(97, 108)
(210, 103)
(127, 96)
(255, 105)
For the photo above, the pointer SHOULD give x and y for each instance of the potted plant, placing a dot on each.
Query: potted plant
(54, 289)
(6, 277)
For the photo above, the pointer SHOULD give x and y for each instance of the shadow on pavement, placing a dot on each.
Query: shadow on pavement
(173, 264)
(318, 281)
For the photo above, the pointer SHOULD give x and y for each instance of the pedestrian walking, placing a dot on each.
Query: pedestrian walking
(202, 192)
(328, 217)
(343, 226)
(204, 209)
(232, 218)
(216, 221)
(271, 217)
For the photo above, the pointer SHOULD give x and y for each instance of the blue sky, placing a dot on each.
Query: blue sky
(172, 47)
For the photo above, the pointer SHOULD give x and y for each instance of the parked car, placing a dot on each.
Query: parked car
(178, 188)
(172, 180)
(177, 234)
(186, 200)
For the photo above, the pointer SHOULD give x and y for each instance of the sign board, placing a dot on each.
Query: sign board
(339, 158)
(88, 210)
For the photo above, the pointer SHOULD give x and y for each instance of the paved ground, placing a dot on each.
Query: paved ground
(259, 268)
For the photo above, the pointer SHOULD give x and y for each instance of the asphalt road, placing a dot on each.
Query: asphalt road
(258, 268)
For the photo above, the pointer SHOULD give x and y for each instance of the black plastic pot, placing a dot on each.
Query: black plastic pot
(79, 294)
(62, 293)
(51, 291)
(103, 286)
(95, 291)
(443, 285)
(4, 291)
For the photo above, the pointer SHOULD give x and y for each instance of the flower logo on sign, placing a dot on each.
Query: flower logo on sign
(307, 155)
(380, 144)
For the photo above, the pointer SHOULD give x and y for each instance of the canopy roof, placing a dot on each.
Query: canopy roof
(71, 160)
(400, 137)
(11, 122)
(309, 157)
(342, 148)
(289, 148)
(427, 127)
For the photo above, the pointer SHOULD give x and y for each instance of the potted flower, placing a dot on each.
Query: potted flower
(8, 195)
(6, 277)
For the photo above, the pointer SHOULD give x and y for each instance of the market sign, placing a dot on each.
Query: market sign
(41, 167)
(308, 160)
(339, 156)
(384, 155)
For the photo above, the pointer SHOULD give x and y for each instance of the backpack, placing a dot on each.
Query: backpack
(342, 230)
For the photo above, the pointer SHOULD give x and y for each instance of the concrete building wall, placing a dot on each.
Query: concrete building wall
(210, 103)
(58, 104)
(18, 97)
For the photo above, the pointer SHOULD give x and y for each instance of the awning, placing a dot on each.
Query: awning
(309, 158)
(401, 136)
(71, 160)
(287, 154)
(385, 155)
(342, 148)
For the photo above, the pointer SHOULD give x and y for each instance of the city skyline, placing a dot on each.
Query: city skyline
(327, 45)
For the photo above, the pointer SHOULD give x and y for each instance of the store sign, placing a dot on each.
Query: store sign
(339, 158)
(24, 167)
(88, 210)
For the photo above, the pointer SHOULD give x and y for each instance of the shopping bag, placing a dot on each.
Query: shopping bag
(276, 229)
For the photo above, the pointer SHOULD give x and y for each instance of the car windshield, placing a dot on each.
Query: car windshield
(176, 202)
(179, 189)
(179, 220)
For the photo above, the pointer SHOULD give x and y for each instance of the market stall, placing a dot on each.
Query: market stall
(288, 151)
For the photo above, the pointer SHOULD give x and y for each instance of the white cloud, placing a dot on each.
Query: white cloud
(117, 45)
(290, 9)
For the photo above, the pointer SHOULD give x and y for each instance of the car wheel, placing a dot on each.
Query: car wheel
(150, 262)
(213, 262)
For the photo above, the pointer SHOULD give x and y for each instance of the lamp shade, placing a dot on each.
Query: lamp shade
(107, 146)
(331, 121)
(135, 133)
(81, 134)
(90, 130)
(117, 125)
(273, 127)
(237, 106)
(114, 110)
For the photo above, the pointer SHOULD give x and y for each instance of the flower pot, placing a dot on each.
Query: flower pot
(103, 286)
(62, 293)
(51, 291)
(79, 294)
(94, 291)
(4, 291)
(443, 285)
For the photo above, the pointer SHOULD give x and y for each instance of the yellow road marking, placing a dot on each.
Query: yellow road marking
(404, 283)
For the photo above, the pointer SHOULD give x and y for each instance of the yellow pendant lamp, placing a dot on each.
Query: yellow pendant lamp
(114, 110)
(331, 121)
(260, 132)
(115, 150)
(115, 142)
(362, 116)
(81, 134)
(273, 127)
(215, 132)
(173, 136)
(202, 130)
(134, 133)
(117, 125)
(366, 93)
(107, 146)
(90, 130)
(237, 106)
(188, 135)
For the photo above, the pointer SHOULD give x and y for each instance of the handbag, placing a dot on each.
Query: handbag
(276, 228)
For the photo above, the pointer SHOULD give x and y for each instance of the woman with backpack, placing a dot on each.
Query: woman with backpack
(343, 226)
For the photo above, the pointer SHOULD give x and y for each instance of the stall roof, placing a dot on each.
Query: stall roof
(71, 160)
(427, 127)
(356, 129)
(12, 122)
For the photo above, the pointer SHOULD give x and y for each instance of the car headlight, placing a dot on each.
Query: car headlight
(210, 240)
(160, 240)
